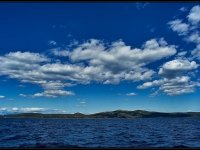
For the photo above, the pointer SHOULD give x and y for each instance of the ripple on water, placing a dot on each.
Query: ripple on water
(139, 132)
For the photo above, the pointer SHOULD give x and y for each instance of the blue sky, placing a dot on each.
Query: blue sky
(92, 57)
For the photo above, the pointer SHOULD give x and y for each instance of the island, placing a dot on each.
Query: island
(109, 114)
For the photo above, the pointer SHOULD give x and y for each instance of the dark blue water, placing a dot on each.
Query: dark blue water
(140, 132)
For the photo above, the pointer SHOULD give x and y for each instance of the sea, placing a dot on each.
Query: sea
(100, 133)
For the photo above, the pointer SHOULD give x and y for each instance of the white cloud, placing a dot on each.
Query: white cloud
(58, 68)
(32, 109)
(143, 74)
(180, 64)
(174, 78)
(172, 86)
(55, 85)
(196, 52)
(95, 61)
(24, 110)
(179, 27)
(25, 57)
(183, 53)
(194, 38)
(189, 30)
(131, 94)
(103, 63)
(53, 93)
(13, 110)
(96, 52)
(150, 84)
(31, 67)
(118, 57)
(1, 96)
(176, 67)
(17, 64)
(178, 85)
(90, 61)
(194, 15)
(121, 61)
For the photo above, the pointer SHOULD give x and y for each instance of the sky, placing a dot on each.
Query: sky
(91, 57)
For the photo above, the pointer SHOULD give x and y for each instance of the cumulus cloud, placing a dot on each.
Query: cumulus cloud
(34, 68)
(194, 37)
(189, 29)
(172, 86)
(55, 85)
(91, 61)
(176, 67)
(178, 85)
(54, 93)
(131, 94)
(150, 84)
(15, 64)
(194, 15)
(179, 27)
(174, 79)
(25, 57)
(118, 53)
(116, 62)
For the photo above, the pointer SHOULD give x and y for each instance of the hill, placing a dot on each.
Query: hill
(109, 114)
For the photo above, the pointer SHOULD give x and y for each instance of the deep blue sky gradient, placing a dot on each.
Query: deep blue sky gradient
(29, 27)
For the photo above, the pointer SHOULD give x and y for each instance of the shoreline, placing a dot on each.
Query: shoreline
(118, 114)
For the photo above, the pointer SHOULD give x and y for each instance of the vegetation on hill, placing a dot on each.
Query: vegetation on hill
(110, 114)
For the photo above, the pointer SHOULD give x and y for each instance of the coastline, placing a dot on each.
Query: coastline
(118, 114)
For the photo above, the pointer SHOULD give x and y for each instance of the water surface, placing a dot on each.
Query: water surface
(139, 132)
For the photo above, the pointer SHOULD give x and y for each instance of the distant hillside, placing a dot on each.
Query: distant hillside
(110, 114)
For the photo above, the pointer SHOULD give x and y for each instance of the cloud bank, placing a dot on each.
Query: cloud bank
(91, 61)
(178, 76)
(111, 63)
(14, 110)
